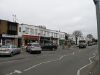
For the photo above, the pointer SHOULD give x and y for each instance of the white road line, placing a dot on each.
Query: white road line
(42, 63)
(10, 73)
(79, 70)
(15, 71)
(19, 72)
(32, 67)
(61, 57)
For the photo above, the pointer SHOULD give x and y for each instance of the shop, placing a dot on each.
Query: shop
(44, 40)
(61, 42)
(9, 39)
(29, 38)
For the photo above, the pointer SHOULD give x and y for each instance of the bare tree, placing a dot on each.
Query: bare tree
(77, 34)
(90, 36)
(66, 36)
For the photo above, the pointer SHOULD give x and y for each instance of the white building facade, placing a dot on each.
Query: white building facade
(32, 33)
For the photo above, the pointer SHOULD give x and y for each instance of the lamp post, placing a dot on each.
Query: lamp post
(39, 38)
(23, 38)
(97, 4)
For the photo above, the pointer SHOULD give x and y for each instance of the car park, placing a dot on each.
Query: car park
(9, 50)
(33, 48)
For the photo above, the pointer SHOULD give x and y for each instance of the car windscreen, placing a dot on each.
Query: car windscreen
(36, 45)
(5, 46)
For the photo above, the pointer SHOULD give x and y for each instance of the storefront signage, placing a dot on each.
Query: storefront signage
(9, 36)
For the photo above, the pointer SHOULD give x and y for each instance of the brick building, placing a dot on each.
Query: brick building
(8, 32)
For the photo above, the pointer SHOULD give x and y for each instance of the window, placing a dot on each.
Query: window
(42, 32)
(32, 31)
(12, 27)
(36, 32)
(27, 30)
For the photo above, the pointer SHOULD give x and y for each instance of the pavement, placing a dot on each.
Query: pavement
(94, 68)
(71, 61)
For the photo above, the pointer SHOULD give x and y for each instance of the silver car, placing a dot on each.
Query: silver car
(34, 47)
(9, 50)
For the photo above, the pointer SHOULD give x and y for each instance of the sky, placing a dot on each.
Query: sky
(64, 15)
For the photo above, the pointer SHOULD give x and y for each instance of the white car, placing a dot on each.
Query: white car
(33, 47)
(9, 50)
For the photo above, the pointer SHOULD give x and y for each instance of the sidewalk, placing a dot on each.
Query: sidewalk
(94, 69)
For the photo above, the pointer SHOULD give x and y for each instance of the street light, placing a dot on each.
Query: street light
(97, 3)
(39, 37)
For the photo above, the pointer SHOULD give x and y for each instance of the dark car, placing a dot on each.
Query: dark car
(49, 46)
(82, 44)
(90, 44)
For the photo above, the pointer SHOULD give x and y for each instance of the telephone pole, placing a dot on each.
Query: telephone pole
(97, 4)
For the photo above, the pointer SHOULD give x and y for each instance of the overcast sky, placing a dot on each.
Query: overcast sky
(63, 15)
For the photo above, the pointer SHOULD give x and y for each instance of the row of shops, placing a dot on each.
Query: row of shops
(25, 39)
(22, 34)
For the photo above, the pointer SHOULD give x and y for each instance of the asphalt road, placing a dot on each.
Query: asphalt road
(61, 62)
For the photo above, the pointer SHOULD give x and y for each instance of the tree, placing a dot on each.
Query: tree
(90, 36)
(77, 34)
(66, 36)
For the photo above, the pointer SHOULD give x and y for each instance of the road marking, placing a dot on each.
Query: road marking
(61, 57)
(19, 72)
(79, 70)
(39, 65)
(15, 71)
(32, 67)
(10, 73)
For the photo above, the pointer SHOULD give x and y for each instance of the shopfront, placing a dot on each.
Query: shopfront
(9, 39)
(29, 38)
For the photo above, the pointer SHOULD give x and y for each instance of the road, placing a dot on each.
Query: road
(60, 62)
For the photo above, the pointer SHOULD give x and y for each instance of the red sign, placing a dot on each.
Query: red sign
(30, 37)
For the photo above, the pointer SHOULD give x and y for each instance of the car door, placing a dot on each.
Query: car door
(14, 49)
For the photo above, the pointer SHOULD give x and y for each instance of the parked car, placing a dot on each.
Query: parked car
(49, 46)
(33, 47)
(90, 44)
(9, 50)
(82, 44)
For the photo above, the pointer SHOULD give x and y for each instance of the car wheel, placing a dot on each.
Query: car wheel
(26, 50)
(30, 52)
(39, 52)
(53, 49)
(19, 52)
(11, 54)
